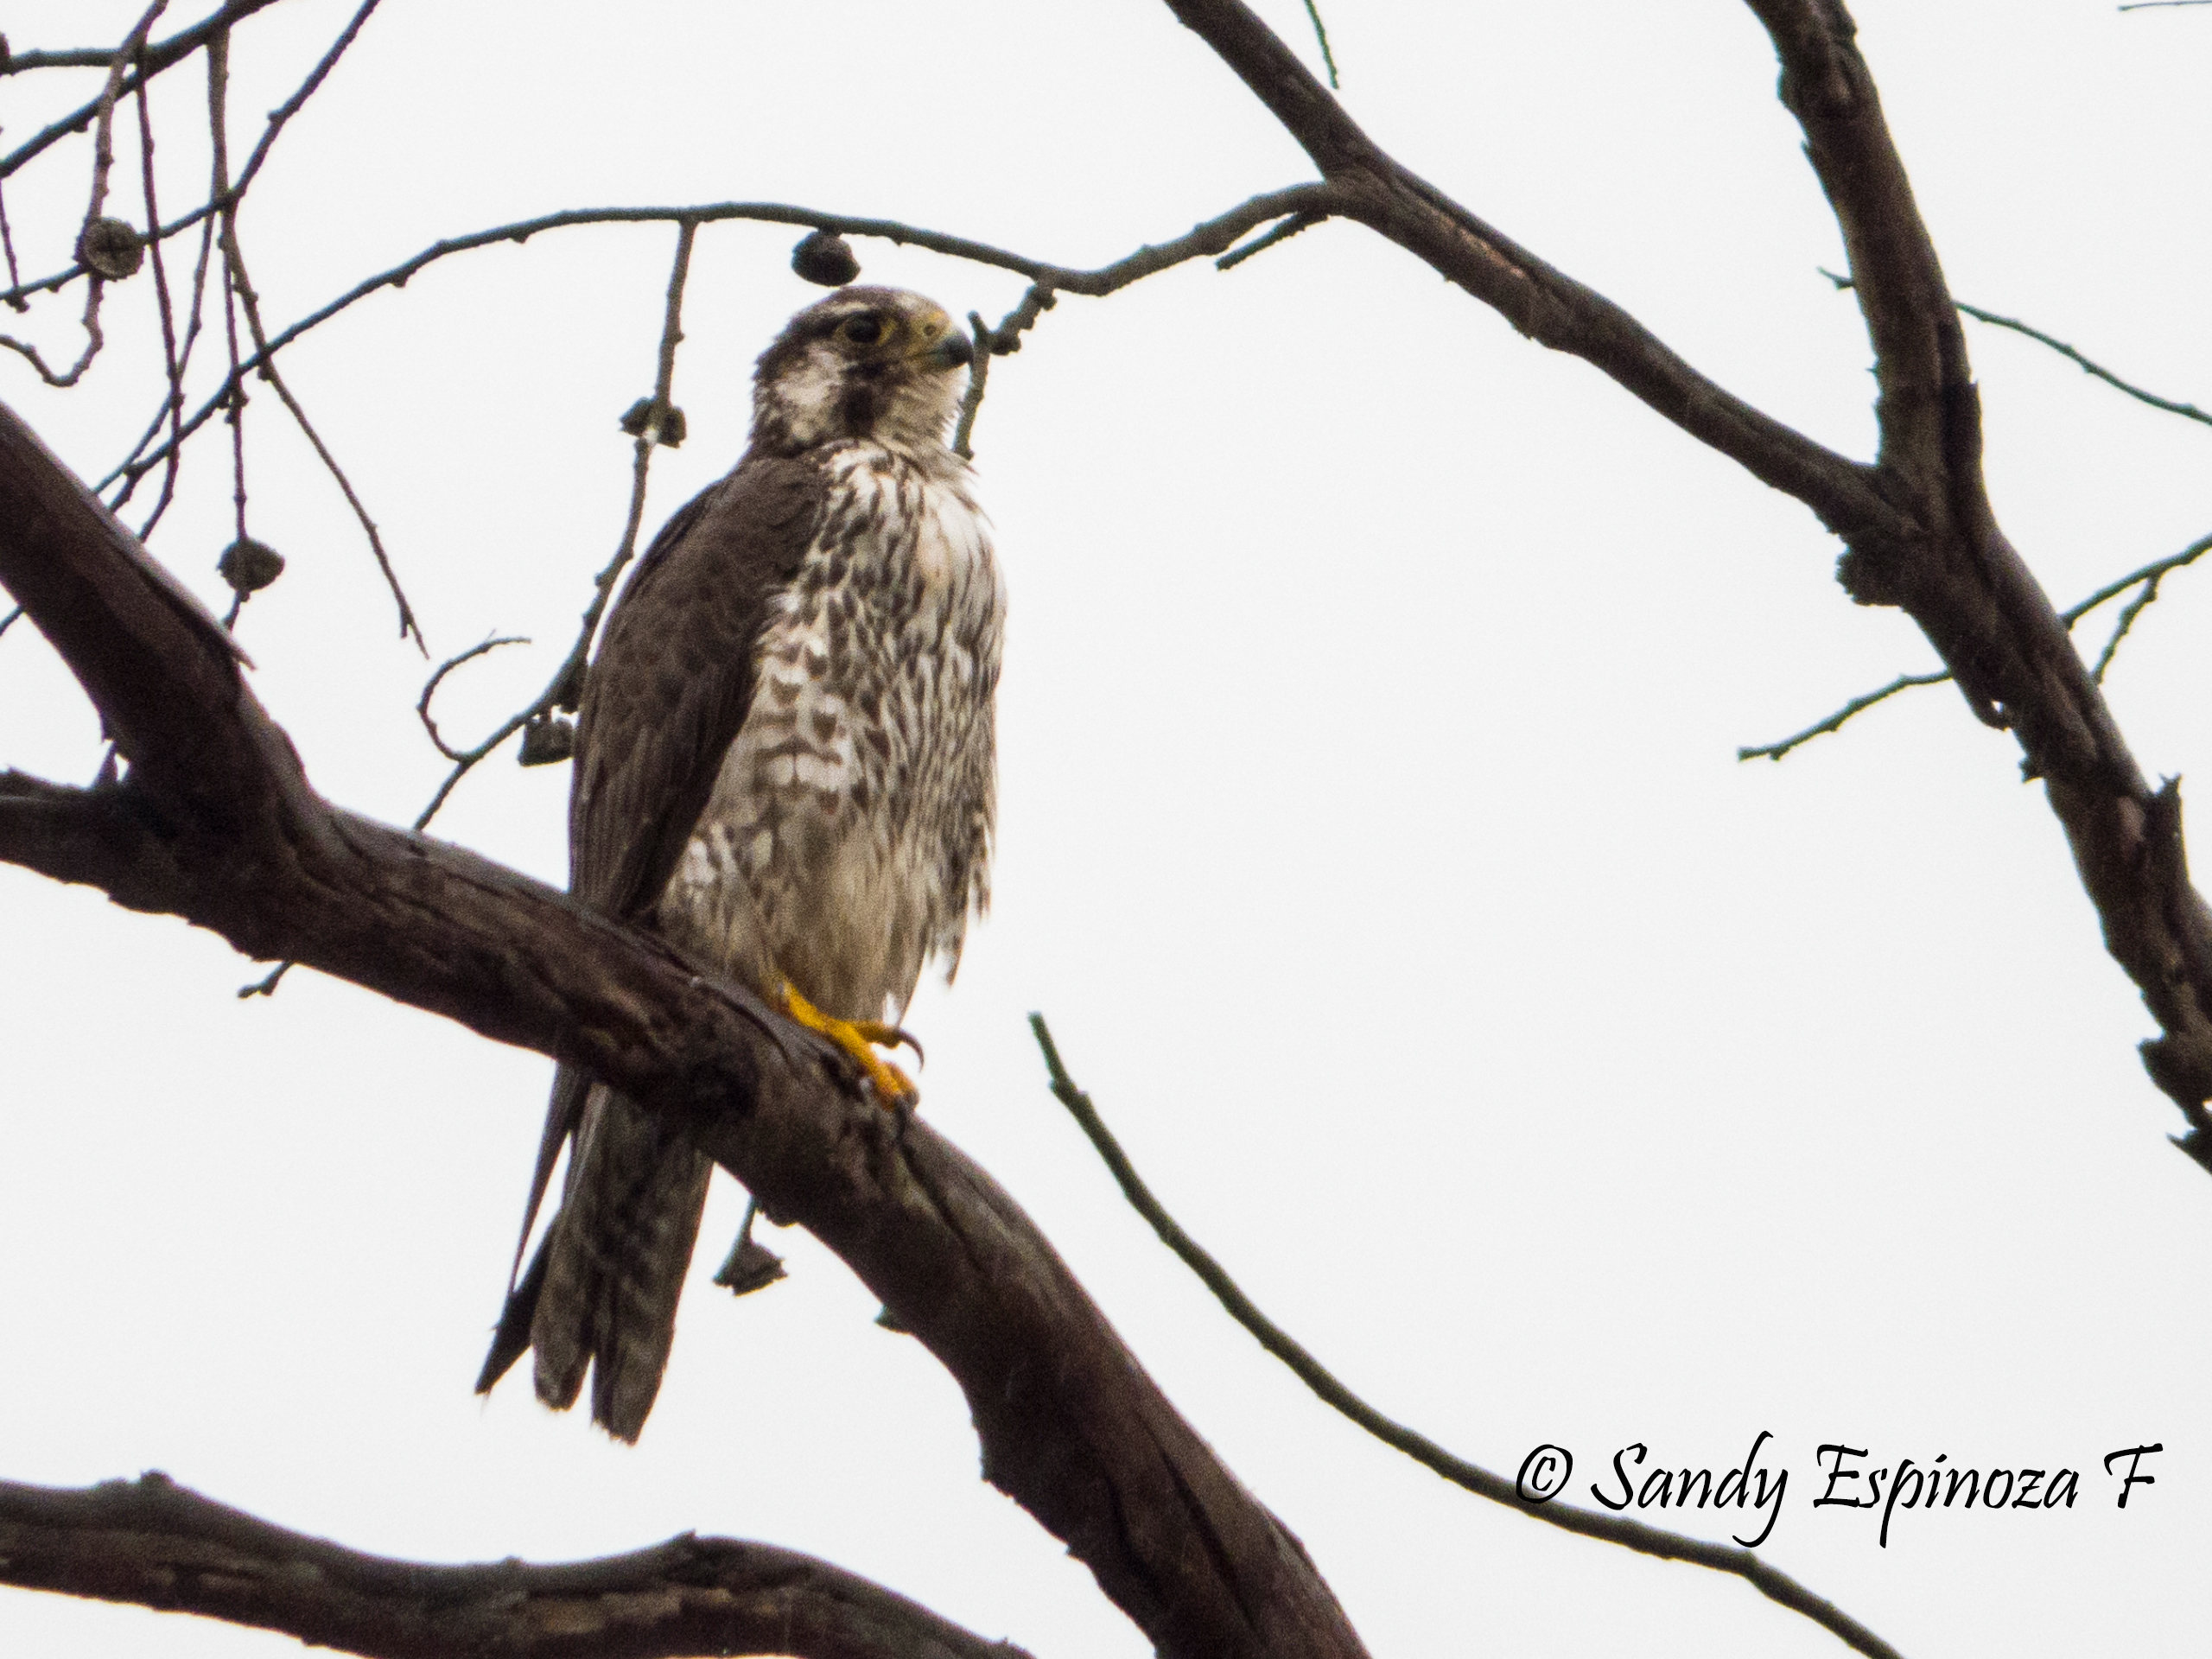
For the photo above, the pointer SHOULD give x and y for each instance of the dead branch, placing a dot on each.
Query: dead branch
(214, 822)
(660, 424)
(1205, 241)
(1918, 528)
(156, 1544)
(2147, 579)
(1763, 1576)
(102, 161)
(162, 54)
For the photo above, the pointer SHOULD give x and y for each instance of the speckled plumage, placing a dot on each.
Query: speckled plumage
(784, 764)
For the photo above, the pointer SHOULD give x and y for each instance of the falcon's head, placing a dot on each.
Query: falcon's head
(866, 363)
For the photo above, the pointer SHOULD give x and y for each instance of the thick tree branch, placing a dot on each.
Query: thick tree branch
(215, 822)
(1541, 302)
(156, 1544)
(1918, 525)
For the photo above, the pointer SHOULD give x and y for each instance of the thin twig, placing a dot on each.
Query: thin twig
(8, 244)
(219, 80)
(566, 682)
(2162, 5)
(1001, 341)
(223, 198)
(250, 302)
(266, 985)
(164, 54)
(8, 620)
(292, 106)
(19, 290)
(971, 401)
(2187, 411)
(2149, 576)
(103, 122)
(2134, 608)
(102, 161)
(172, 408)
(1835, 721)
(1259, 244)
(172, 364)
(2112, 590)
(1205, 241)
(1321, 34)
(431, 688)
(1648, 1540)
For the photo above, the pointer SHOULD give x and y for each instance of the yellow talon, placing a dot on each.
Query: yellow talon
(888, 1036)
(894, 1089)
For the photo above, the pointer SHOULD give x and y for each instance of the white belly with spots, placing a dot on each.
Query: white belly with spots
(848, 835)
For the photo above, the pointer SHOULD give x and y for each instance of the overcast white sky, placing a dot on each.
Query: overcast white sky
(1371, 830)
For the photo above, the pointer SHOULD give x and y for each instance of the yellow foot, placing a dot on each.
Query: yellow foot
(885, 1036)
(894, 1089)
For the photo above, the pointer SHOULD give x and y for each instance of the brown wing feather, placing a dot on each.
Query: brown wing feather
(675, 676)
(664, 702)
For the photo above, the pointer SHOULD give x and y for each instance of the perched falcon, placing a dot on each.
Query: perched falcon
(784, 765)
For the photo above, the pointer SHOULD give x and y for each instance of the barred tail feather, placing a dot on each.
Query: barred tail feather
(601, 1292)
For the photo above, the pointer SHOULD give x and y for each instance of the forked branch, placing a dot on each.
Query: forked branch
(214, 822)
(1918, 527)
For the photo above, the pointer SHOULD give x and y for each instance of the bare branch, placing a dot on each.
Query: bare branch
(1835, 721)
(1321, 33)
(161, 55)
(14, 297)
(102, 161)
(215, 822)
(234, 257)
(1001, 341)
(565, 687)
(971, 401)
(1260, 244)
(1541, 302)
(156, 1544)
(1918, 526)
(2188, 411)
(1632, 1534)
(2148, 577)
(172, 365)
(2151, 572)
(431, 688)
(1203, 241)
(19, 291)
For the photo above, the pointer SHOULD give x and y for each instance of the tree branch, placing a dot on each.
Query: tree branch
(2148, 577)
(1205, 241)
(1919, 530)
(156, 1544)
(1541, 302)
(214, 822)
(162, 54)
(1745, 1564)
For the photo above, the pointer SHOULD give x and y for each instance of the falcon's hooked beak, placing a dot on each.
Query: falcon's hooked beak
(948, 347)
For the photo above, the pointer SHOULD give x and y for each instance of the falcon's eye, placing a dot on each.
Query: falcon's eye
(866, 329)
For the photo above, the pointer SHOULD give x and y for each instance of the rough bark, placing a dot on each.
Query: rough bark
(1917, 526)
(154, 1544)
(214, 821)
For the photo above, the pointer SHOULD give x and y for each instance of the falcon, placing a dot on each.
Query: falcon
(785, 767)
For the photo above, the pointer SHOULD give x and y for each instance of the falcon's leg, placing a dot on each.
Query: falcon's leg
(892, 1088)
